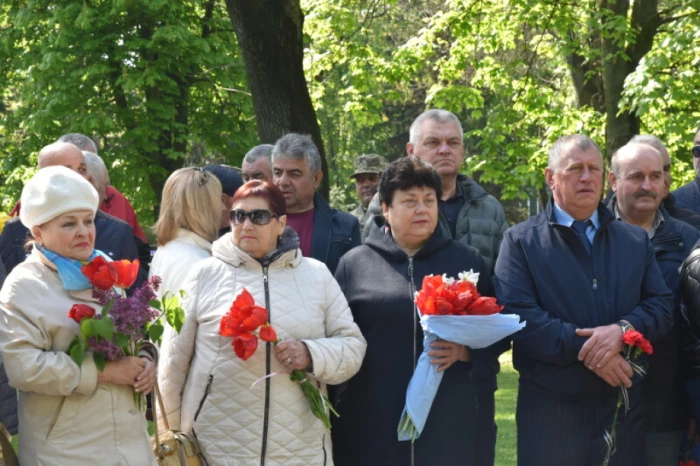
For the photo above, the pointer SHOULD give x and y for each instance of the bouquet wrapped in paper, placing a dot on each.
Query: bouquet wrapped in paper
(451, 310)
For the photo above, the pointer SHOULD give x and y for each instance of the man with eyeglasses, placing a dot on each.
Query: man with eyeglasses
(688, 196)
(324, 233)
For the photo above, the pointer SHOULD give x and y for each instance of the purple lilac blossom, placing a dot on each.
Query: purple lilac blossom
(129, 314)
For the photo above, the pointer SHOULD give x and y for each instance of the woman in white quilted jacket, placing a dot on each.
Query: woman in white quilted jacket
(210, 392)
(69, 414)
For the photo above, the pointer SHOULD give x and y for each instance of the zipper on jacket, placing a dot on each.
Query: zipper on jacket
(207, 391)
(268, 352)
(412, 288)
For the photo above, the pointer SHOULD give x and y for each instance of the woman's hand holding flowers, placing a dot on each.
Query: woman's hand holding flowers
(146, 380)
(446, 353)
(293, 354)
(122, 372)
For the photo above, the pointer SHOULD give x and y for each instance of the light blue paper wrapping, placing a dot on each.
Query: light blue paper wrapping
(475, 332)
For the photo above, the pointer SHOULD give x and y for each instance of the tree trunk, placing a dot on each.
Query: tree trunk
(619, 61)
(270, 34)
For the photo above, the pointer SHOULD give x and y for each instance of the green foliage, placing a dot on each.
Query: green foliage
(154, 82)
(505, 69)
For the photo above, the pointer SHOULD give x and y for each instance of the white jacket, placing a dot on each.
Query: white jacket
(173, 261)
(65, 416)
(208, 390)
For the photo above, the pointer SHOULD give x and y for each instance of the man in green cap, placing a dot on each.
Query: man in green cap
(366, 175)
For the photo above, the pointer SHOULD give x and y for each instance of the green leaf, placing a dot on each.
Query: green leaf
(104, 328)
(107, 308)
(87, 328)
(176, 318)
(154, 303)
(100, 361)
(121, 340)
(155, 332)
(77, 353)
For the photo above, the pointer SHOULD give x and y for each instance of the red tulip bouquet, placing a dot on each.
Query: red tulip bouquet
(125, 323)
(451, 310)
(634, 344)
(246, 322)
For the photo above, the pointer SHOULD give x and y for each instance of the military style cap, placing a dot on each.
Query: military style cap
(369, 163)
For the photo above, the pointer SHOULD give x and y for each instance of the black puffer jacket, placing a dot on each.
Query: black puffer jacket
(690, 311)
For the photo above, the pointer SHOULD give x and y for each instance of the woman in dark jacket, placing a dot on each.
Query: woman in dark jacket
(379, 280)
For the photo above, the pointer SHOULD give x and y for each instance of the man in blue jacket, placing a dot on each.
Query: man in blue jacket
(637, 178)
(324, 233)
(579, 279)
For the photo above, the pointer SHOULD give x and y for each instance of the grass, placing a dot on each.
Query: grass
(506, 397)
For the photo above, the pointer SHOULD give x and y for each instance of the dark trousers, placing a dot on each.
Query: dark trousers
(485, 451)
(556, 432)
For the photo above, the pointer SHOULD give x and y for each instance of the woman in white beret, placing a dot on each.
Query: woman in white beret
(68, 414)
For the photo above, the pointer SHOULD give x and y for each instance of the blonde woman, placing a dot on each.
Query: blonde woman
(190, 213)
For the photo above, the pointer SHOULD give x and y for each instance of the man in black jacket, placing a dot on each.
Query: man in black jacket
(688, 196)
(324, 233)
(637, 178)
(579, 279)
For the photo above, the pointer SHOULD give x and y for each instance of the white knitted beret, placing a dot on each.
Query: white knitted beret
(54, 191)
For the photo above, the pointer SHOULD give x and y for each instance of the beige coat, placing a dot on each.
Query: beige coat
(210, 391)
(65, 416)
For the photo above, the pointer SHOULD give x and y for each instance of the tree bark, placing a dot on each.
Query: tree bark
(270, 34)
(621, 126)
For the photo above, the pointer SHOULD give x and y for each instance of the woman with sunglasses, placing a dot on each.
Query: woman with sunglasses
(250, 412)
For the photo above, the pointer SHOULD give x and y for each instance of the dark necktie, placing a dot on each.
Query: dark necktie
(580, 229)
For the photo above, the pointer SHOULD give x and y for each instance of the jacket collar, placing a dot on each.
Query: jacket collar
(287, 253)
(472, 190)
(604, 215)
(321, 236)
(191, 237)
(380, 239)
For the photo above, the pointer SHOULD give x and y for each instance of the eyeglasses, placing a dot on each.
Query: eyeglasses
(203, 175)
(696, 151)
(257, 216)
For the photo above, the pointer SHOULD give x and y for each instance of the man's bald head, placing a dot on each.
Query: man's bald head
(65, 154)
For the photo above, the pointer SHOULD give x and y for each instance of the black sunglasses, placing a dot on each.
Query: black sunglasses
(257, 216)
(696, 151)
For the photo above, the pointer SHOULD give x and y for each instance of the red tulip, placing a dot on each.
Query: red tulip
(484, 306)
(267, 333)
(245, 345)
(100, 273)
(253, 318)
(126, 272)
(81, 311)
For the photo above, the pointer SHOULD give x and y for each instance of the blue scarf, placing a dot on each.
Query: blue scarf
(69, 269)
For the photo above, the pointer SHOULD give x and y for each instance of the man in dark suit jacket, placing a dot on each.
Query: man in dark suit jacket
(324, 233)
(580, 279)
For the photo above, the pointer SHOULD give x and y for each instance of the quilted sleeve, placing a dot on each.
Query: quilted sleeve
(338, 356)
(176, 356)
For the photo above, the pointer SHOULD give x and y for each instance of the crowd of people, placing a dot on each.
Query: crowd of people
(339, 290)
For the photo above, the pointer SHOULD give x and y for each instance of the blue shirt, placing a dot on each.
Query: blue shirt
(565, 219)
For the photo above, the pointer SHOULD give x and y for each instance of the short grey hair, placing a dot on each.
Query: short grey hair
(649, 140)
(300, 147)
(81, 141)
(96, 168)
(263, 150)
(564, 143)
(437, 115)
(615, 159)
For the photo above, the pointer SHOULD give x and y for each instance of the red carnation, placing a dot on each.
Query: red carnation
(635, 339)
